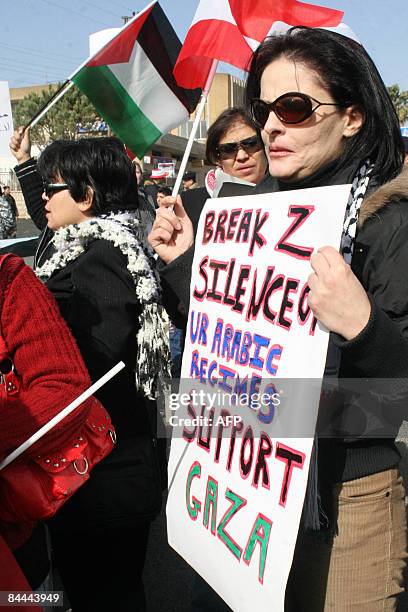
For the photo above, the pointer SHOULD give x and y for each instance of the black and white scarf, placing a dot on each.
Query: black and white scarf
(315, 515)
(153, 359)
(356, 197)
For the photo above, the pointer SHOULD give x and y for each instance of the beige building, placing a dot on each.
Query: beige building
(18, 93)
(226, 91)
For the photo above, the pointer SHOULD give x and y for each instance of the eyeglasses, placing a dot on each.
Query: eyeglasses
(291, 108)
(51, 188)
(230, 149)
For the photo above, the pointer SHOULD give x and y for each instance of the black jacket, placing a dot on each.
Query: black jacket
(379, 352)
(32, 188)
(96, 296)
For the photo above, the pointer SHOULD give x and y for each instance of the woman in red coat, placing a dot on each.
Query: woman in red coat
(51, 374)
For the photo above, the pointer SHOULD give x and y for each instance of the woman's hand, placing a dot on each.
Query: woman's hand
(20, 145)
(337, 298)
(172, 232)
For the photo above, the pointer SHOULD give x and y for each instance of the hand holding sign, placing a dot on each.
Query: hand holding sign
(172, 232)
(337, 298)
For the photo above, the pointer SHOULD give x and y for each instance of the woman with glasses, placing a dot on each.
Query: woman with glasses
(234, 146)
(107, 291)
(326, 119)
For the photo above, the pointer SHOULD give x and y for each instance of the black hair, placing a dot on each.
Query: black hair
(220, 127)
(351, 77)
(99, 163)
(164, 190)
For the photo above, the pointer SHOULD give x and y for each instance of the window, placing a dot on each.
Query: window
(185, 129)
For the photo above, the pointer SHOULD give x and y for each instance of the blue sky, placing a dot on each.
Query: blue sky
(45, 40)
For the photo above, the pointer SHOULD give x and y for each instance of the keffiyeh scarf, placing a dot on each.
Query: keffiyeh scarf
(356, 197)
(314, 515)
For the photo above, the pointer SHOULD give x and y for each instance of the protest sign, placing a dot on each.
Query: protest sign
(245, 416)
(6, 119)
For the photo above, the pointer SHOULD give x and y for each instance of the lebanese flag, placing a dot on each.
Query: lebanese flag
(230, 30)
(130, 81)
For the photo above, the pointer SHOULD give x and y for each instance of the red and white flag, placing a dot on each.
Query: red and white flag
(230, 30)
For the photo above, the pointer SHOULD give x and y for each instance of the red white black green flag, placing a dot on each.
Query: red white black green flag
(131, 84)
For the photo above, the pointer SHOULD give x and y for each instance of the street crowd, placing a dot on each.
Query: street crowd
(112, 275)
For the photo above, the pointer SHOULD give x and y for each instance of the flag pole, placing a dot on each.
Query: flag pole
(49, 104)
(199, 112)
(61, 415)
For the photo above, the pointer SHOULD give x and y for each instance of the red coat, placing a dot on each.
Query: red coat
(42, 348)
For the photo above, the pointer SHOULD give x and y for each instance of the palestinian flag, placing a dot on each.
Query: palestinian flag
(131, 84)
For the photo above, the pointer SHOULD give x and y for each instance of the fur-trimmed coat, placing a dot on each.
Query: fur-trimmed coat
(393, 191)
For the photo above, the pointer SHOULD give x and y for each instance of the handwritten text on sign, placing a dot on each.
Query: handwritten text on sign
(245, 416)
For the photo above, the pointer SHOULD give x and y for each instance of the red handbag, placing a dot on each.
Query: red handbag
(35, 489)
(32, 489)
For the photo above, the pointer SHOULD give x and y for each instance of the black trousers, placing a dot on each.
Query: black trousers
(102, 571)
(205, 599)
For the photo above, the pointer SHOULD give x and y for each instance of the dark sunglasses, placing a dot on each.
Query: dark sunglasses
(291, 108)
(51, 188)
(230, 149)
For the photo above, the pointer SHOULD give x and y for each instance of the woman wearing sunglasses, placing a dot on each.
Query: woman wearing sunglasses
(107, 291)
(327, 119)
(234, 146)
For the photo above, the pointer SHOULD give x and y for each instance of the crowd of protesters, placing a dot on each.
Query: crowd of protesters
(309, 120)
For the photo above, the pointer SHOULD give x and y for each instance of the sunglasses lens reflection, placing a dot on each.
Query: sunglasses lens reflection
(289, 109)
(260, 112)
(230, 149)
(293, 109)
